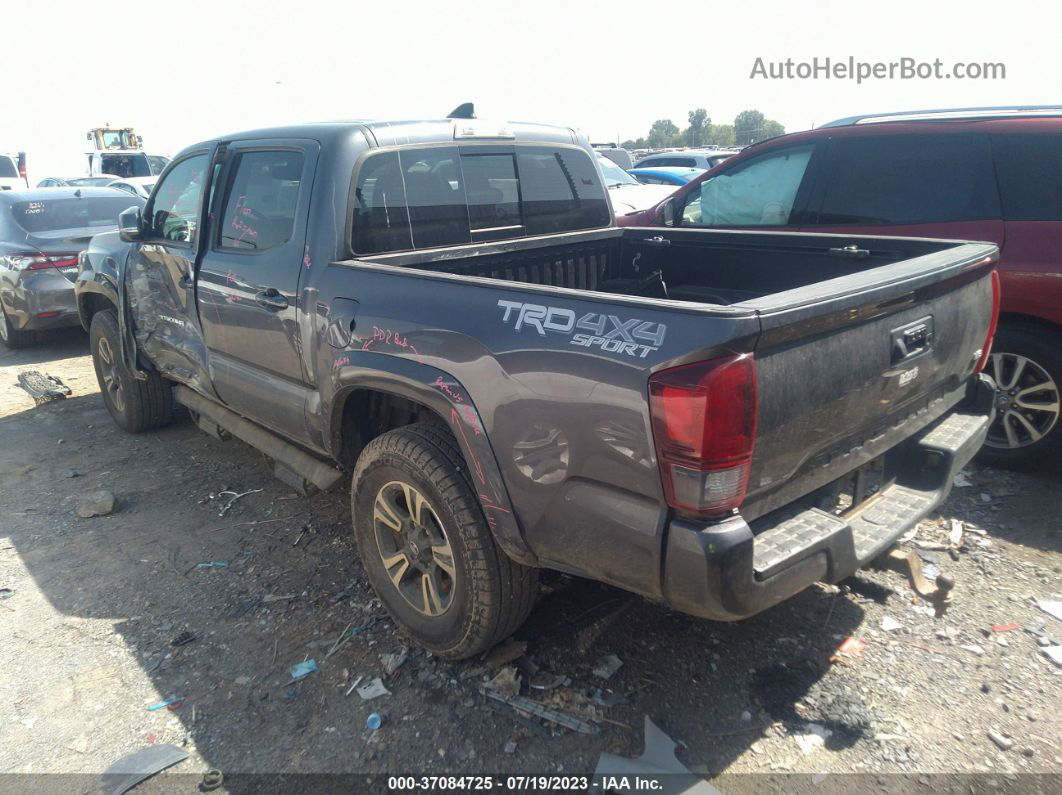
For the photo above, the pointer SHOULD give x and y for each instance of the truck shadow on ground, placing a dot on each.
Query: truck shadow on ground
(50, 345)
(277, 580)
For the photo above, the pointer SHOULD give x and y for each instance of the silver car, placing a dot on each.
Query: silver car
(42, 232)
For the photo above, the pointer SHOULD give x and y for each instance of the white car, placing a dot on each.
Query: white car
(138, 186)
(627, 194)
(9, 176)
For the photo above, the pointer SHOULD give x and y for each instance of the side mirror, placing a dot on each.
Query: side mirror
(129, 222)
(667, 212)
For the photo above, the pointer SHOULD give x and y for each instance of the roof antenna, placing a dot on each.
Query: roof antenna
(466, 110)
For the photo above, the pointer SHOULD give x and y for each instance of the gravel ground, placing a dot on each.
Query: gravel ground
(97, 607)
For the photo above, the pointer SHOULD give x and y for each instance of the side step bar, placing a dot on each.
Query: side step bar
(320, 474)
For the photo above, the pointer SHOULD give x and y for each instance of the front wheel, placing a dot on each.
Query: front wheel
(1026, 364)
(427, 548)
(12, 337)
(134, 405)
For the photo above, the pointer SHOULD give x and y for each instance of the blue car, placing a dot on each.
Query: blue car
(666, 175)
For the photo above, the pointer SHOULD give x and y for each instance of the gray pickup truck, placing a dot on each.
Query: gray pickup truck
(443, 315)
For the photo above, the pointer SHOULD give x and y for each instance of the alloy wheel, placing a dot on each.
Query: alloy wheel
(109, 373)
(1027, 401)
(414, 548)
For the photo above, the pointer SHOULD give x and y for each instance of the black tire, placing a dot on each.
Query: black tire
(489, 595)
(1042, 348)
(134, 405)
(12, 337)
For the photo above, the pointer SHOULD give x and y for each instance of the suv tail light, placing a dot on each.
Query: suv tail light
(704, 425)
(992, 323)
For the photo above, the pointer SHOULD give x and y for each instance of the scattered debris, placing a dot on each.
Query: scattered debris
(183, 639)
(544, 681)
(851, 647)
(1054, 654)
(521, 704)
(212, 779)
(1006, 627)
(138, 766)
(610, 699)
(510, 747)
(232, 500)
(42, 387)
(169, 702)
(607, 666)
(1039, 631)
(374, 721)
(353, 684)
(6, 593)
(303, 669)
(505, 653)
(1053, 607)
(973, 648)
(277, 598)
(213, 564)
(889, 624)
(506, 681)
(985, 497)
(955, 533)
(1003, 743)
(961, 481)
(658, 759)
(813, 739)
(242, 680)
(392, 662)
(374, 688)
(96, 503)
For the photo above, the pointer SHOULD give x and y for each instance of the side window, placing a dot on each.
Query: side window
(381, 222)
(909, 179)
(174, 208)
(760, 192)
(262, 198)
(1029, 167)
(684, 162)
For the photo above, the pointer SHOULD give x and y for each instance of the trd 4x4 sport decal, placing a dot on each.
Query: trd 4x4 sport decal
(630, 336)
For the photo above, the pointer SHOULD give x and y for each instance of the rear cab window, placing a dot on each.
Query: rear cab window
(423, 197)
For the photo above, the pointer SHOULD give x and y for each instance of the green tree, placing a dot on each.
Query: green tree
(772, 129)
(662, 133)
(720, 135)
(748, 127)
(635, 143)
(696, 133)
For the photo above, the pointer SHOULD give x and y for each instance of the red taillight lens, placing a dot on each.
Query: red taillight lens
(992, 323)
(56, 261)
(704, 425)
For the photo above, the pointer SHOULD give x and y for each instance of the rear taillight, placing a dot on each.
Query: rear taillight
(37, 263)
(992, 323)
(22, 167)
(704, 425)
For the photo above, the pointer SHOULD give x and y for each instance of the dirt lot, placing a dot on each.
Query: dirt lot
(95, 606)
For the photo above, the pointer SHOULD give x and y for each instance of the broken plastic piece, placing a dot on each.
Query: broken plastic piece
(607, 666)
(303, 669)
(374, 688)
(657, 760)
(130, 770)
(213, 564)
(163, 704)
(1006, 627)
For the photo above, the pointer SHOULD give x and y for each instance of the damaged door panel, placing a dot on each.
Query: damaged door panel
(159, 280)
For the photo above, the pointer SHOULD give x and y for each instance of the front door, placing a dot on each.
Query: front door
(248, 280)
(159, 276)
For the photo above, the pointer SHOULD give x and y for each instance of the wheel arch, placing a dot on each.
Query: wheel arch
(368, 402)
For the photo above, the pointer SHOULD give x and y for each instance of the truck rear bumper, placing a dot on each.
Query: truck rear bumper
(726, 572)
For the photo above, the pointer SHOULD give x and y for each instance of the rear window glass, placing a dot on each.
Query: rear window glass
(1029, 167)
(156, 163)
(438, 196)
(909, 179)
(53, 214)
(7, 168)
(126, 166)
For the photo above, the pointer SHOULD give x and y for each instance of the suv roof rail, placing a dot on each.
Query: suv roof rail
(998, 111)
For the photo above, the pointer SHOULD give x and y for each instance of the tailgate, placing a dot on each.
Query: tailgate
(849, 367)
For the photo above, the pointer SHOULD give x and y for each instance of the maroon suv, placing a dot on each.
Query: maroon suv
(977, 174)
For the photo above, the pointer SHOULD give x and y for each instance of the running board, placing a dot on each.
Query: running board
(322, 475)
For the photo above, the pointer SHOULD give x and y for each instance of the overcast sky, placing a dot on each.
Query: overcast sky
(182, 72)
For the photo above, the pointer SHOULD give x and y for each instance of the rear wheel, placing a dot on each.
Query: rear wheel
(134, 405)
(1026, 364)
(12, 337)
(427, 548)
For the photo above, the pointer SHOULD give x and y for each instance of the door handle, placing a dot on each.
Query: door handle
(271, 299)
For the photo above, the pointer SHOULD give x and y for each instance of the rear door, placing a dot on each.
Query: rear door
(247, 284)
(912, 185)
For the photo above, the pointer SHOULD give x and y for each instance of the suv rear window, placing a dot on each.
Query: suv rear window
(126, 165)
(1029, 167)
(7, 167)
(909, 179)
(439, 196)
(54, 214)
